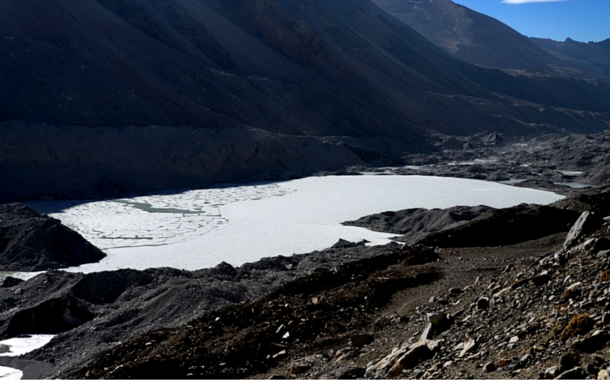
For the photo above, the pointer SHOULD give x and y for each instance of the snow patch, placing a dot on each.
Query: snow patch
(7, 373)
(23, 345)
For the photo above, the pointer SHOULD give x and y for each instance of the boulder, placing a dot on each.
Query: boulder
(483, 303)
(574, 373)
(417, 353)
(551, 373)
(489, 367)
(585, 223)
(468, 347)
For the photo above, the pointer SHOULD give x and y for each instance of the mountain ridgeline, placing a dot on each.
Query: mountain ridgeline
(485, 41)
(99, 97)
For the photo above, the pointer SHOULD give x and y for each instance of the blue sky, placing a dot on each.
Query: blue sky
(581, 20)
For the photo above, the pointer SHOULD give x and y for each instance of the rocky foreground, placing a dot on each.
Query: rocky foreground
(528, 306)
(475, 292)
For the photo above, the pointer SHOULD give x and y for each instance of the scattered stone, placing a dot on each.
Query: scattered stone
(574, 373)
(279, 354)
(603, 374)
(483, 303)
(468, 347)
(525, 360)
(551, 372)
(489, 367)
(427, 334)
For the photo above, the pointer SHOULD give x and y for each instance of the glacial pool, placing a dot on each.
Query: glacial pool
(200, 228)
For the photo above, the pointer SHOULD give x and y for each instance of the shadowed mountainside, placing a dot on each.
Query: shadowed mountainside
(592, 57)
(469, 35)
(249, 88)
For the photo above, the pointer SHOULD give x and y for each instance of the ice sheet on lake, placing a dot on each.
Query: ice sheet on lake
(21, 346)
(18, 347)
(7, 373)
(150, 221)
(201, 228)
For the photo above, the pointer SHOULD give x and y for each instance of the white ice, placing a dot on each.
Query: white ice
(201, 228)
(7, 373)
(21, 346)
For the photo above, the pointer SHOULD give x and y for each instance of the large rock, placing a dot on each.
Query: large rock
(33, 242)
(585, 223)
(417, 353)
(574, 373)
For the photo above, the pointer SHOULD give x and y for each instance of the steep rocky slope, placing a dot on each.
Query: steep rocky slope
(485, 41)
(591, 57)
(33, 242)
(470, 35)
(173, 93)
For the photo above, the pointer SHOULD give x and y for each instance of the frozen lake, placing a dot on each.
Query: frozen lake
(201, 228)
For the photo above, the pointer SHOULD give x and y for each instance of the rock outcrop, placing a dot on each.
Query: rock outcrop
(33, 242)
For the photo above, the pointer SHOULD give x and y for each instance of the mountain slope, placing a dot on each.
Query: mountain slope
(469, 35)
(592, 57)
(249, 88)
(482, 40)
